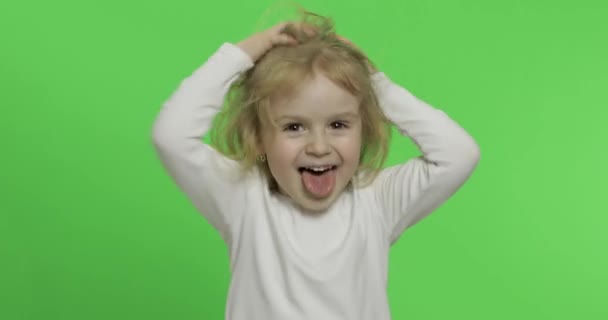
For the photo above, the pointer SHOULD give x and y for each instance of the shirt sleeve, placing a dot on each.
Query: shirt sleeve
(209, 179)
(409, 192)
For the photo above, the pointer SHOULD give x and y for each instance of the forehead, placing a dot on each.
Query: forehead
(316, 96)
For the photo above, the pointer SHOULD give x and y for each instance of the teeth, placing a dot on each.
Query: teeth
(319, 168)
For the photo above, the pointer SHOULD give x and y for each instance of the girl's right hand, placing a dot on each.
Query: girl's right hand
(257, 44)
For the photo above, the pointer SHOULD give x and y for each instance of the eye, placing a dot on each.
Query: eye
(292, 127)
(339, 125)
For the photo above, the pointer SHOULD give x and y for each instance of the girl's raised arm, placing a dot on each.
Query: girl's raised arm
(411, 191)
(209, 179)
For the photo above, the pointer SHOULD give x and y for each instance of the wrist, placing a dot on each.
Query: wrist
(255, 46)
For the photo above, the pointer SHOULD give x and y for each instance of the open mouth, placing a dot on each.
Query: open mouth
(318, 181)
(317, 171)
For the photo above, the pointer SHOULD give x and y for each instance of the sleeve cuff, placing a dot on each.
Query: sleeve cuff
(380, 81)
(238, 56)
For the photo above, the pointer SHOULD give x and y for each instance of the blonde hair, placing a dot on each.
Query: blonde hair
(238, 128)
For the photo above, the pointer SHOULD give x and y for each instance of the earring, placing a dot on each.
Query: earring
(261, 157)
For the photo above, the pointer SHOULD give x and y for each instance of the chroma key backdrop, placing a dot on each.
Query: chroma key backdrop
(92, 227)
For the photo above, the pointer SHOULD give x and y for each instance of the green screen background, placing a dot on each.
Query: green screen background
(91, 226)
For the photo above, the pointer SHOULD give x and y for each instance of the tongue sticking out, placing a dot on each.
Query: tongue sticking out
(319, 185)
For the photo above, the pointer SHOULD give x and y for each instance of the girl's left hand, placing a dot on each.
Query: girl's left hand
(257, 44)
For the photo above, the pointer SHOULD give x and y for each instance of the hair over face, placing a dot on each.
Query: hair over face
(238, 128)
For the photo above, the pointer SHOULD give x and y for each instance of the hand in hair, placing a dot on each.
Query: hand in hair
(286, 33)
(301, 31)
(257, 44)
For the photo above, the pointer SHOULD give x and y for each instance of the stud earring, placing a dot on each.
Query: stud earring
(261, 157)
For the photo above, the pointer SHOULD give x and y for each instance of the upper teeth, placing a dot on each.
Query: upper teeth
(319, 168)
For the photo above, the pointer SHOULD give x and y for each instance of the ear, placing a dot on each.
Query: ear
(259, 147)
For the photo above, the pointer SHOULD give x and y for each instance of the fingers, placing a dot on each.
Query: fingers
(280, 26)
(347, 41)
(341, 38)
(283, 39)
(308, 29)
(277, 37)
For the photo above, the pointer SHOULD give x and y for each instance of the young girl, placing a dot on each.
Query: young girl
(297, 190)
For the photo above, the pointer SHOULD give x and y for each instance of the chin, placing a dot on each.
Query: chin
(317, 206)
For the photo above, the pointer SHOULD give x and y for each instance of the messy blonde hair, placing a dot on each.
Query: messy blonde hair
(238, 128)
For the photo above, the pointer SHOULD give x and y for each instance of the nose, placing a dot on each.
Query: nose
(318, 144)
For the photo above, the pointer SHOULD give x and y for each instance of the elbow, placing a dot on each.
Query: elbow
(160, 134)
(469, 157)
(464, 154)
(156, 133)
(473, 152)
(460, 154)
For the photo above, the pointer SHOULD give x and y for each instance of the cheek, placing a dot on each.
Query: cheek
(281, 152)
(352, 148)
(355, 154)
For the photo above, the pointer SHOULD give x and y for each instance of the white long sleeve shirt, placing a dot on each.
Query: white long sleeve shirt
(287, 265)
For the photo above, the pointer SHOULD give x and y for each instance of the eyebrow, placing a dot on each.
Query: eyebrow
(347, 114)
